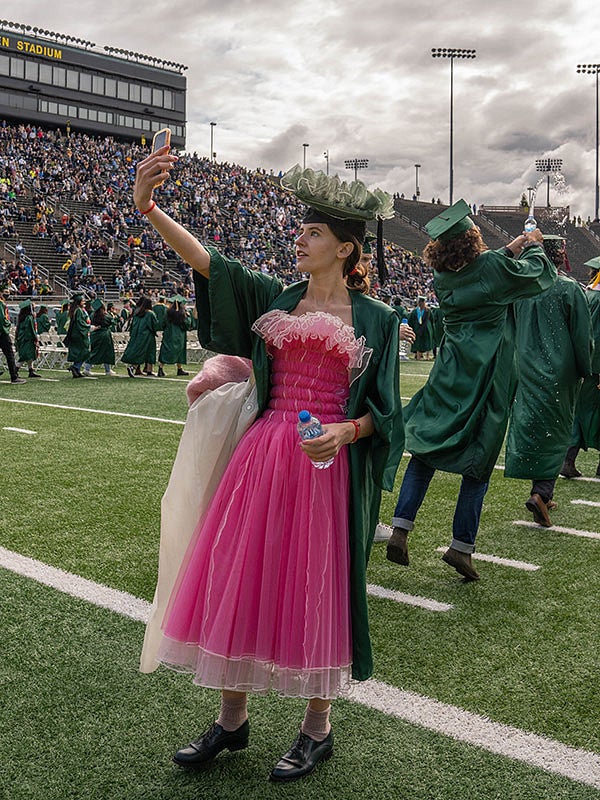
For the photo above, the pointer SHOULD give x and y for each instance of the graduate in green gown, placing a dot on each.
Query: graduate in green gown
(5, 343)
(230, 298)
(173, 348)
(554, 349)
(26, 336)
(42, 320)
(78, 336)
(420, 321)
(101, 342)
(586, 424)
(457, 422)
(61, 316)
(160, 310)
(141, 348)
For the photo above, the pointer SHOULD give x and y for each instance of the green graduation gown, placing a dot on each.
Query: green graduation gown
(4, 318)
(160, 311)
(26, 339)
(43, 323)
(141, 348)
(554, 350)
(228, 303)
(457, 421)
(423, 331)
(78, 337)
(101, 342)
(586, 425)
(61, 318)
(173, 348)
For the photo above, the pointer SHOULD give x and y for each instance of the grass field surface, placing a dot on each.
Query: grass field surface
(460, 698)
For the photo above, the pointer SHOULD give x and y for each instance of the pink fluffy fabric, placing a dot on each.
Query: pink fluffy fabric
(217, 371)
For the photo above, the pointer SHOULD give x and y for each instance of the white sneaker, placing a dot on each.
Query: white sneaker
(110, 372)
(87, 373)
(382, 533)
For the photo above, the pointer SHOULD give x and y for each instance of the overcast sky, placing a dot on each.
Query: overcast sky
(356, 77)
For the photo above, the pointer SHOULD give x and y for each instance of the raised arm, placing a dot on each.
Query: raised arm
(153, 171)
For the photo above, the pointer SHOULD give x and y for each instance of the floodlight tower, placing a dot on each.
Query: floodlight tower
(452, 53)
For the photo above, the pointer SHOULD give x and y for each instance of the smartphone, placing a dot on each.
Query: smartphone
(161, 138)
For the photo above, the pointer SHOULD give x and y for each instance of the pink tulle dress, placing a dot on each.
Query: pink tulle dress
(262, 599)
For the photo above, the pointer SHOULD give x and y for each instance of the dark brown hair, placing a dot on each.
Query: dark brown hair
(359, 279)
(456, 253)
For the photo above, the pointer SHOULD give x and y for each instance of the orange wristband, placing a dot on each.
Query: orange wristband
(356, 424)
(148, 210)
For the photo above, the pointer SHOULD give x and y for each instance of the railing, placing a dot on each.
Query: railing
(494, 224)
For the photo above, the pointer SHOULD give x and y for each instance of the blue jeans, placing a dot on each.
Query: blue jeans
(468, 506)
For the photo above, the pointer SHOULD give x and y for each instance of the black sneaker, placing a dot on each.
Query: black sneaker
(182, 372)
(18, 380)
(130, 370)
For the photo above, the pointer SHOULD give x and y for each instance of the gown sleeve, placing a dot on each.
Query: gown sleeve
(229, 302)
(510, 279)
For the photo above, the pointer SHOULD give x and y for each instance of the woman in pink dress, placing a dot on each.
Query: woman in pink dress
(271, 594)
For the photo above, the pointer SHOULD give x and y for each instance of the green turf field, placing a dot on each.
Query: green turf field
(83, 494)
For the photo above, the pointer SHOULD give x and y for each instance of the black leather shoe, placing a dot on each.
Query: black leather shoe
(461, 563)
(569, 470)
(302, 758)
(397, 547)
(182, 372)
(202, 750)
(539, 509)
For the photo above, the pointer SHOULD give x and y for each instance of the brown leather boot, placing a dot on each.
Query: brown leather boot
(397, 547)
(461, 563)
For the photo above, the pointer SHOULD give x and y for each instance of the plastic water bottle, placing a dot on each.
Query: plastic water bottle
(530, 224)
(404, 348)
(310, 427)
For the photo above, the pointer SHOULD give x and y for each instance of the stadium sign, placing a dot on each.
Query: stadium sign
(32, 48)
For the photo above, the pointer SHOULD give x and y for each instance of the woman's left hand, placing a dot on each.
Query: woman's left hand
(335, 436)
(406, 333)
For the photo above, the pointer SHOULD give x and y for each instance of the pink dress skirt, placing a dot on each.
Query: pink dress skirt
(262, 599)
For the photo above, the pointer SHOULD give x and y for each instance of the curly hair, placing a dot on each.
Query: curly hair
(456, 253)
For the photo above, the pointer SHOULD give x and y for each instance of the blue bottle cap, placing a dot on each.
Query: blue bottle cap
(405, 321)
(304, 416)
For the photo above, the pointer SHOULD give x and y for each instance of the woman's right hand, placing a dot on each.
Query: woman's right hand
(151, 172)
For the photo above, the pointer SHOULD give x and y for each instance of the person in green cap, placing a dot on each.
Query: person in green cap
(456, 422)
(586, 424)
(101, 343)
(61, 316)
(160, 310)
(419, 320)
(78, 335)
(272, 594)
(5, 342)
(173, 348)
(554, 351)
(141, 347)
(26, 337)
(42, 320)
(125, 315)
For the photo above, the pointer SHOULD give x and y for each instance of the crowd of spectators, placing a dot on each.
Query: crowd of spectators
(244, 213)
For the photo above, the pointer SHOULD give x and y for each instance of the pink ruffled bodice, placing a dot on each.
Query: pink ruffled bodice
(315, 358)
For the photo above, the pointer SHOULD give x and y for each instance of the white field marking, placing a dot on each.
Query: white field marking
(49, 380)
(123, 603)
(503, 562)
(463, 726)
(20, 430)
(586, 503)
(407, 599)
(583, 478)
(558, 529)
(92, 410)
(103, 375)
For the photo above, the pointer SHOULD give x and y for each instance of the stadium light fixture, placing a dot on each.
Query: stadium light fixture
(548, 165)
(356, 164)
(326, 157)
(452, 53)
(213, 155)
(594, 69)
(305, 147)
(417, 191)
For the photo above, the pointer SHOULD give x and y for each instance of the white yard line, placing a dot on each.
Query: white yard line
(20, 430)
(463, 726)
(503, 562)
(408, 599)
(583, 478)
(558, 529)
(586, 503)
(92, 411)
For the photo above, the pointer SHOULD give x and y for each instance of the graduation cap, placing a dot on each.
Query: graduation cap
(25, 304)
(96, 304)
(65, 302)
(330, 200)
(177, 298)
(369, 237)
(76, 297)
(593, 263)
(450, 223)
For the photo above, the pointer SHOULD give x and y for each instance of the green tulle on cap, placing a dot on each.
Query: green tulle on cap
(338, 199)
